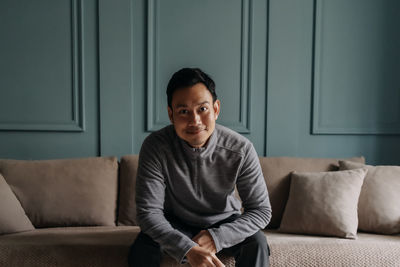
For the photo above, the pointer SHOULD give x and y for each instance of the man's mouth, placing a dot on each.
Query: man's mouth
(194, 130)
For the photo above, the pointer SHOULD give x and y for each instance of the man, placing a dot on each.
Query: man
(185, 191)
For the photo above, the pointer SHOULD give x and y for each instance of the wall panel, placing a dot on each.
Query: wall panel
(52, 41)
(311, 78)
(193, 40)
(48, 94)
(296, 112)
(356, 79)
(231, 48)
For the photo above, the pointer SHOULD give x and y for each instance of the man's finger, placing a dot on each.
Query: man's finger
(217, 262)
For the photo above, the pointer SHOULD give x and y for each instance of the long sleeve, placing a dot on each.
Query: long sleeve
(257, 208)
(150, 197)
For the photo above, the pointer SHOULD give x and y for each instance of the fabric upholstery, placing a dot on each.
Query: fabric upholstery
(75, 246)
(291, 250)
(109, 246)
(65, 192)
(68, 247)
(323, 203)
(127, 184)
(379, 203)
(12, 216)
(277, 171)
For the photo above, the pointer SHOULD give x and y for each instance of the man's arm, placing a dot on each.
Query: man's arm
(150, 195)
(257, 208)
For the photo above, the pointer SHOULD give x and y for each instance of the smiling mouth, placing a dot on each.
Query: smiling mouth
(194, 130)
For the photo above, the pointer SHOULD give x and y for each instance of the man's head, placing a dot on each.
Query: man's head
(193, 107)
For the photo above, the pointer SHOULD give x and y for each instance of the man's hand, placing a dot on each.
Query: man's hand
(201, 257)
(205, 240)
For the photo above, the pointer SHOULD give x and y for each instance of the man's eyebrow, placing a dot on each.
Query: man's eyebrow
(202, 103)
(181, 106)
(185, 106)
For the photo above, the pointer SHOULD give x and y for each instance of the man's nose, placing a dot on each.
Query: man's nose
(194, 118)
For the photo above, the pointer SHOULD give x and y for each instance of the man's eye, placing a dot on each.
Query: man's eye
(203, 108)
(183, 111)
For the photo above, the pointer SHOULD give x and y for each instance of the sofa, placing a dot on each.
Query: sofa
(81, 212)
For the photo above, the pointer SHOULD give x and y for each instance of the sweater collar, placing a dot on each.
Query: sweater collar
(201, 152)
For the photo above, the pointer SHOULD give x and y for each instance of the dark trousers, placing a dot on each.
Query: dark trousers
(253, 251)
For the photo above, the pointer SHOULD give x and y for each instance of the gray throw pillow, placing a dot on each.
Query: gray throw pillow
(12, 216)
(323, 203)
(379, 204)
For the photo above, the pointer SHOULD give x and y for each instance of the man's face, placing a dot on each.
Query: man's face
(193, 114)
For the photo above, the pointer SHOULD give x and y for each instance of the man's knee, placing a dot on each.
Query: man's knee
(253, 251)
(258, 239)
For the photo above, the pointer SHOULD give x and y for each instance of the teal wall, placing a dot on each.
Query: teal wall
(315, 78)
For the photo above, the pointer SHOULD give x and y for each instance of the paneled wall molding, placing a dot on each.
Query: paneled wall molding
(323, 81)
(77, 122)
(154, 122)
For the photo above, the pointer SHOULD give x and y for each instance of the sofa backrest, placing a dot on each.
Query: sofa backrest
(276, 172)
(127, 193)
(65, 192)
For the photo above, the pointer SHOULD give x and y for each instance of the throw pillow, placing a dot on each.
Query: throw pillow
(379, 204)
(65, 192)
(323, 203)
(12, 216)
(277, 172)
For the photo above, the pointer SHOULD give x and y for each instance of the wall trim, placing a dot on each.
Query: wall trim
(317, 125)
(154, 123)
(77, 123)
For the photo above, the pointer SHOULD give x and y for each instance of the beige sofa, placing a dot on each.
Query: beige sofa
(81, 212)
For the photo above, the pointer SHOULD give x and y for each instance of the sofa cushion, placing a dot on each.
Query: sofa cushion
(277, 171)
(12, 216)
(100, 246)
(323, 203)
(379, 203)
(127, 193)
(292, 250)
(65, 192)
(109, 246)
(68, 246)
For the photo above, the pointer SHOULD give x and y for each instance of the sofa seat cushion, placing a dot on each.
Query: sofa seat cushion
(72, 246)
(109, 246)
(96, 246)
(302, 250)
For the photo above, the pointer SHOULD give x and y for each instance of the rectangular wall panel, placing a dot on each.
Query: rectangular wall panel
(290, 82)
(213, 35)
(49, 79)
(356, 68)
(41, 66)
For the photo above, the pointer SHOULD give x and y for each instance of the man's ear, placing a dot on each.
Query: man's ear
(217, 108)
(171, 118)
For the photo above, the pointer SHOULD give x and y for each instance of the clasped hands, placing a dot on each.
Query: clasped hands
(203, 255)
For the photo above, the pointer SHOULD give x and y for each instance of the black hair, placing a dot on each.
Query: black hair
(188, 77)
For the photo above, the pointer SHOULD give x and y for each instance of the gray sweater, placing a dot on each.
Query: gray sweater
(197, 185)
